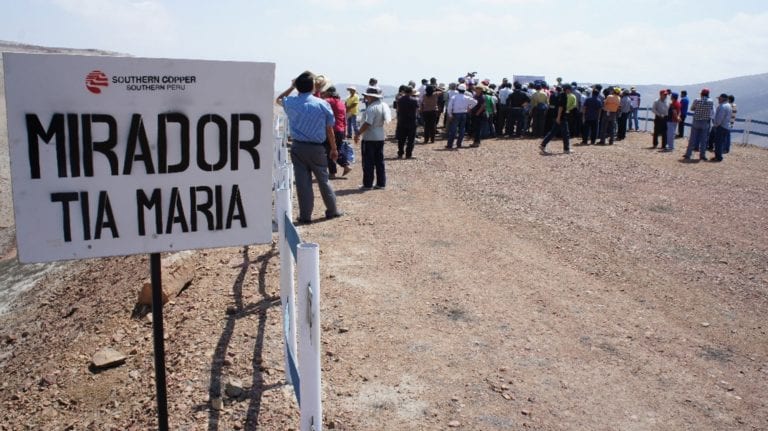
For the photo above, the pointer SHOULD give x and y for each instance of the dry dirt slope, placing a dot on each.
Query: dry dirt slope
(490, 289)
(614, 289)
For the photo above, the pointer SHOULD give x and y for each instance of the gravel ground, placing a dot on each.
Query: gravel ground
(616, 288)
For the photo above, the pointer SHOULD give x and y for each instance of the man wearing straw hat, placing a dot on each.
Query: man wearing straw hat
(311, 121)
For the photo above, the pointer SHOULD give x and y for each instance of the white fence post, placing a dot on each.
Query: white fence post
(308, 313)
(286, 274)
(745, 135)
(302, 313)
(645, 123)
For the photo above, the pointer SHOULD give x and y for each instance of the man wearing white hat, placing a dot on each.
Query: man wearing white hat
(458, 108)
(376, 114)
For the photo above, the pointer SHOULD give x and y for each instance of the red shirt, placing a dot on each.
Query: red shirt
(673, 114)
(339, 109)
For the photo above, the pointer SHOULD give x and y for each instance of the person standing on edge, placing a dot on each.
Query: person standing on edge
(516, 104)
(561, 121)
(372, 132)
(539, 106)
(311, 122)
(458, 107)
(660, 110)
(722, 125)
(634, 98)
(503, 126)
(407, 109)
(428, 106)
(593, 106)
(575, 126)
(611, 108)
(554, 96)
(479, 115)
(684, 103)
(732, 102)
(492, 108)
(625, 109)
(673, 117)
(447, 96)
(703, 111)
(352, 105)
(339, 128)
(442, 94)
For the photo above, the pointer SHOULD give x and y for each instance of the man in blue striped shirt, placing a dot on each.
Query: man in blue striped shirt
(311, 122)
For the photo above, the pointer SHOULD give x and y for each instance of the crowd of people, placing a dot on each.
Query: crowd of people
(596, 114)
(320, 121)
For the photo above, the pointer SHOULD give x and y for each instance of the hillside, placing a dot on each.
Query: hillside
(6, 46)
(750, 93)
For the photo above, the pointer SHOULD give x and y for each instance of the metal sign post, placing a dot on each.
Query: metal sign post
(158, 334)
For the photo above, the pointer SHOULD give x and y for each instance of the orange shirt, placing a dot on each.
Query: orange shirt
(612, 103)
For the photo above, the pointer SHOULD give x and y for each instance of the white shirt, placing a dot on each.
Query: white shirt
(461, 103)
(376, 115)
(503, 94)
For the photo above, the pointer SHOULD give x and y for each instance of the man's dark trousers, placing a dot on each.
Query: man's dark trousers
(373, 161)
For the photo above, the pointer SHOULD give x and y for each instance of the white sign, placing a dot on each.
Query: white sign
(526, 79)
(115, 156)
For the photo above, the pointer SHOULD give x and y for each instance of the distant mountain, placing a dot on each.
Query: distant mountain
(6, 46)
(749, 91)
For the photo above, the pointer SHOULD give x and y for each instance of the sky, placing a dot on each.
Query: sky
(588, 41)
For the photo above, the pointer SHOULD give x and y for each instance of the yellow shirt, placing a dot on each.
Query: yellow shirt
(352, 103)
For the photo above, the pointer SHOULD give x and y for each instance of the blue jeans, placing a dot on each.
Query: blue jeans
(352, 126)
(671, 131)
(698, 139)
(633, 116)
(373, 162)
(458, 121)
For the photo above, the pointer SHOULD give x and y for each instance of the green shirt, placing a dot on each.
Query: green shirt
(571, 103)
(488, 104)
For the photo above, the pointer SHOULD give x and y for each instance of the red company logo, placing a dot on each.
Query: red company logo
(94, 80)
